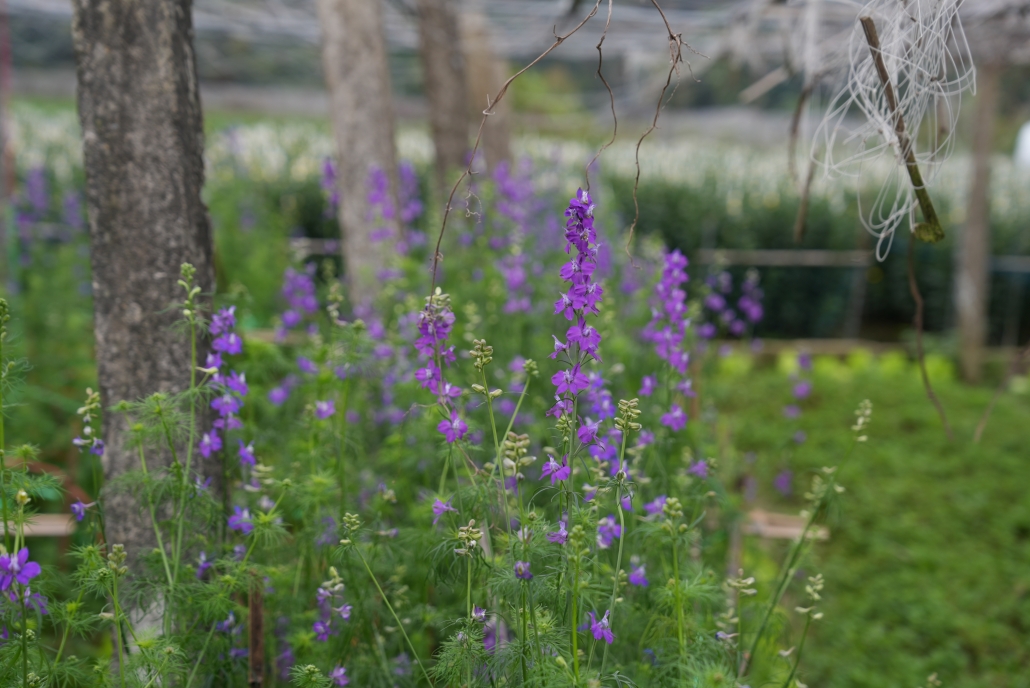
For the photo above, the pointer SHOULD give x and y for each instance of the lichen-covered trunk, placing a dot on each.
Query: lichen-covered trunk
(361, 108)
(971, 283)
(142, 133)
(443, 63)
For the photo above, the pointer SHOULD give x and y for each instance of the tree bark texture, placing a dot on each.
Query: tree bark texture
(358, 80)
(971, 285)
(444, 65)
(142, 130)
(486, 73)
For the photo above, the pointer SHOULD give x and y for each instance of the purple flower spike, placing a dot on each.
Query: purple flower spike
(17, 569)
(600, 628)
(440, 508)
(453, 429)
(522, 571)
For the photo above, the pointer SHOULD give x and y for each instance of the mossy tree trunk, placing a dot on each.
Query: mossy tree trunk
(142, 130)
(361, 108)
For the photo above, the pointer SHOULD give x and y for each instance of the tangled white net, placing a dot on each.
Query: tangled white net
(910, 120)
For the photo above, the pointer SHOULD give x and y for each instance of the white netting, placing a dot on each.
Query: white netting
(926, 57)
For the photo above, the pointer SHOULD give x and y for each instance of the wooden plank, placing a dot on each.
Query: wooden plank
(48, 525)
(809, 258)
(775, 526)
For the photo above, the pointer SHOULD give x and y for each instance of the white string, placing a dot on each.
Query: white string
(925, 51)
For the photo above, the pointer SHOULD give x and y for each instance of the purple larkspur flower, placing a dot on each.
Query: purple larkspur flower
(802, 389)
(699, 469)
(656, 505)
(571, 381)
(79, 510)
(228, 343)
(555, 470)
(647, 385)
(638, 577)
(279, 395)
(306, 365)
(339, 676)
(453, 429)
(805, 361)
(203, 564)
(522, 571)
(675, 419)
(600, 628)
(17, 569)
(783, 482)
(440, 508)
(226, 404)
(322, 630)
(241, 521)
(478, 614)
(246, 454)
(223, 321)
(210, 442)
(791, 411)
(324, 409)
(560, 536)
(587, 432)
(608, 530)
(800, 437)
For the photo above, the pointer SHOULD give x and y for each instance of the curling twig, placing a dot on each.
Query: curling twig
(930, 230)
(611, 96)
(1018, 359)
(913, 287)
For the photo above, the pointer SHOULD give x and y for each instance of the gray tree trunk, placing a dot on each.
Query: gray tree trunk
(971, 285)
(486, 73)
(358, 79)
(444, 66)
(142, 130)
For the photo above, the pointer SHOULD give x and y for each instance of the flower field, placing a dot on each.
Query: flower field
(538, 466)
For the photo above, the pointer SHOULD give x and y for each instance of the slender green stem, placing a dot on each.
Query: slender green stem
(677, 596)
(575, 616)
(118, 632)
(153, 521)
(618, 560)
(24, 638)
(340, 457)
(801, 648)
(67, 629)
(157, 674)
(184, 479)
(200, 657)
(524, 633)
(3, 446)
(394, 614)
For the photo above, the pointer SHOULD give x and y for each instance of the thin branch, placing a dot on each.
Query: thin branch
(913, 287)
(930, 230)
(611, 96)
(492, 103)
(676, 44)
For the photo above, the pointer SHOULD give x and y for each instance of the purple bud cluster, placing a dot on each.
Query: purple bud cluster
(327, 598)
(301, 303)
(720, 313)
(230, 388)
(582, 298)
(435, 323)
